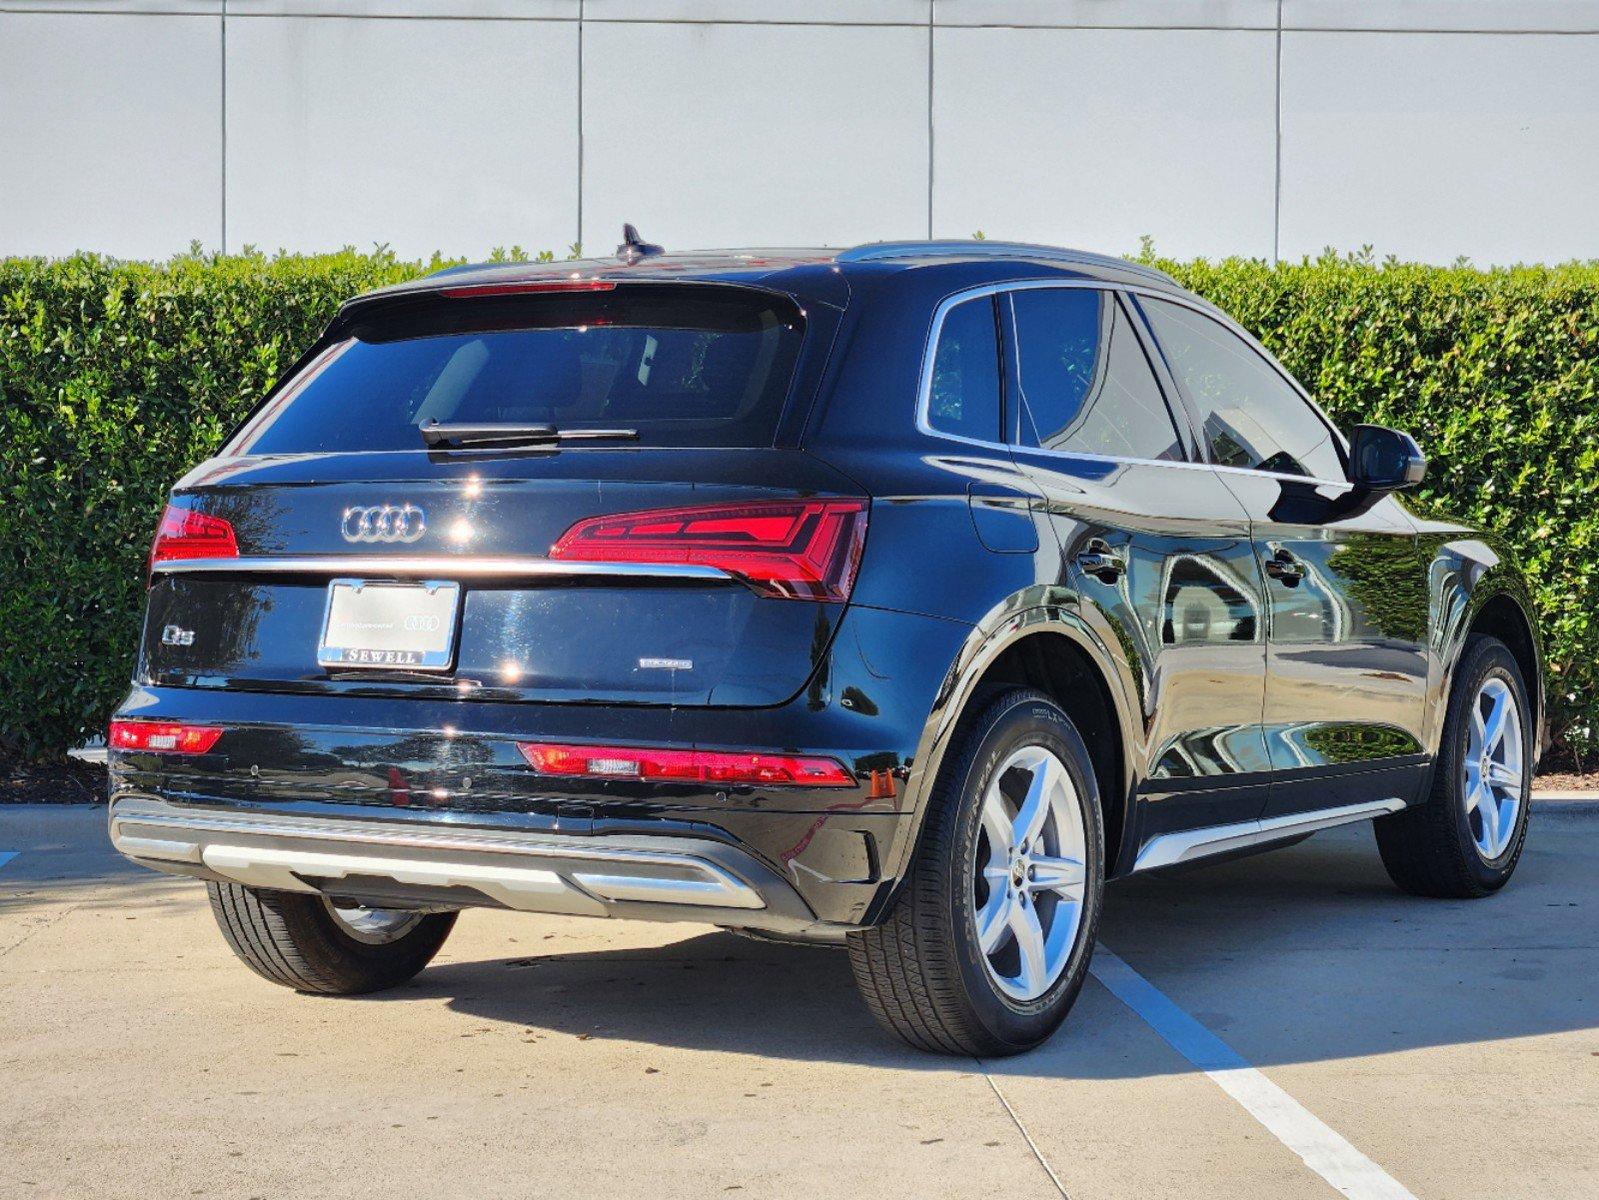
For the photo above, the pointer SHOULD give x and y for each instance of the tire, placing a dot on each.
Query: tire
(1435, 848)
(924, 972)
(298, 941)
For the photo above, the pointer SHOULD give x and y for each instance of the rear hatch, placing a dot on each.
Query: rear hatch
(614, 523)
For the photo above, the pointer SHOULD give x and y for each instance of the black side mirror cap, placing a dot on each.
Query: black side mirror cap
(1384, 460)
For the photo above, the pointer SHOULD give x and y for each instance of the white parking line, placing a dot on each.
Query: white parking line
(1324, 1151)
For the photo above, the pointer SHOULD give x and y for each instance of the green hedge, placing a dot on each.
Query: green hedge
(116, 377)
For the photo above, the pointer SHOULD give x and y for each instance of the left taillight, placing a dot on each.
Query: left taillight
(162, 737)
(789, 549)
(184, 533)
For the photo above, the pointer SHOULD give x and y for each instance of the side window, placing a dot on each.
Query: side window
(965, 387)
(1252, 418)
(1082, 380)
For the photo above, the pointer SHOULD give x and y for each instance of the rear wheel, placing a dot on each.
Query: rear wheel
(988, 941)
(333, 947)
(1465, 839)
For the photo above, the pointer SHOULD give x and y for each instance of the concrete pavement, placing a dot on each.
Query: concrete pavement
(1454, 1044)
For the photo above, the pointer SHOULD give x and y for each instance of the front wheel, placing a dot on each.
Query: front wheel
(988, 941)
(1464, 840)
(315, 944)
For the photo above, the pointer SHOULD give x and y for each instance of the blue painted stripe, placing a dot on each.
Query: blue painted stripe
(1321, 1147)
(1182, 1032)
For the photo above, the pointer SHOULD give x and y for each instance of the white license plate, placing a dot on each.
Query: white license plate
(400, 626)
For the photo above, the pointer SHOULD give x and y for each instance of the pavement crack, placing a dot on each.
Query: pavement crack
(37, 925)
(1022, 1129)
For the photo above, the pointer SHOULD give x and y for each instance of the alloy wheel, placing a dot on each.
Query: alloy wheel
(1029, 875)
(374, 926)
(1494, 768)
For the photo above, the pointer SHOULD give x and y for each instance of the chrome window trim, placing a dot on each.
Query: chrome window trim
(1282, 372)
(924, 391)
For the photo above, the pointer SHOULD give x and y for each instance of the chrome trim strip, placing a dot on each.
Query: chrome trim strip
(436, 566)
(370, 833)
(1192, 844)
(718, 890)
(167, 851)
(924, 391)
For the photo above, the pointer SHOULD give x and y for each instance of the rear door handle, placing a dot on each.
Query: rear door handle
(1100, 561)
(1285, 568)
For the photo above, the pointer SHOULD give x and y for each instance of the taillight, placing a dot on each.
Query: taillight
(184, 533)
(729, 768)
(162, 737)
(793, 549)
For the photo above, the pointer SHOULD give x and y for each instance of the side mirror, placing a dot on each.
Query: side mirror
(1384, 460)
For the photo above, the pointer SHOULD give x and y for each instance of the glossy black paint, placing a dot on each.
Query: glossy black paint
(1257, 644)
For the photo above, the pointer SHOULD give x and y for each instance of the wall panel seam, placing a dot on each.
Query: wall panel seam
(1176, 27)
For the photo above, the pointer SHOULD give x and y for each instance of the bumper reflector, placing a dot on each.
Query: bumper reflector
(162, 737)
(732, 768)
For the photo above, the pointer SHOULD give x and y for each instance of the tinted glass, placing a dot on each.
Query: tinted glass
(1084, 384)
(965, 391)
(1252, 417)
(684, 366)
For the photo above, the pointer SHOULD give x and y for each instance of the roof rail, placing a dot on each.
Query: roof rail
(879, 251)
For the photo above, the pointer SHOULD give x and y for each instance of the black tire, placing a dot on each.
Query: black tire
(293, 939)
(1428, 848)
(922, 971)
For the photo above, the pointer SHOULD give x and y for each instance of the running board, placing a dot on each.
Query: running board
(1190, 845)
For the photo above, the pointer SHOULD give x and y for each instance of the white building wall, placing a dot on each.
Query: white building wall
(1429, 129)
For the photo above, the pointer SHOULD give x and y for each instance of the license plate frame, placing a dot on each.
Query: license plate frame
(398, 635)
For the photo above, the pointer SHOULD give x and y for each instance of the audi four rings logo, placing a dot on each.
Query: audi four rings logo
(384, 523)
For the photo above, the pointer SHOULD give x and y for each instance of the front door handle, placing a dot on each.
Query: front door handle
(1285, 568)
(1100, 561)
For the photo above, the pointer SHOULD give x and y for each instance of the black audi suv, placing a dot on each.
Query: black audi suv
(894, 598)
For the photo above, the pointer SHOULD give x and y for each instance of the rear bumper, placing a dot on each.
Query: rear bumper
(369, 754)
(465, 864)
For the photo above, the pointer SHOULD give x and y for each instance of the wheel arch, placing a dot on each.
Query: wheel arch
(1476, 587)
(1503, 615)
(1047, 648)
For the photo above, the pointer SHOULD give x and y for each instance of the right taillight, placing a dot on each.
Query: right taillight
(791, 549)
(184, 533)
(719, 767)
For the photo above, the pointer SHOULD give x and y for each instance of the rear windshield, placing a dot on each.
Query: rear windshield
(683, 365)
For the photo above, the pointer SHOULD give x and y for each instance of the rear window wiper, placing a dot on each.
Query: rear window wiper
(512, 433)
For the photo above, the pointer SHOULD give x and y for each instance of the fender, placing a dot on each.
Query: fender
(1466, 572)
(1019, 616)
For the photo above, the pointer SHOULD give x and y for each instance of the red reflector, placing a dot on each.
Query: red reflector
(684, 766)
(163, 737)
(792, 549)
(522, 289)
(184, 533)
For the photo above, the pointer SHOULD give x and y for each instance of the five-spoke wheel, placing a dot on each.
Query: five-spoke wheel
(1494, 773)
(1028, 872)
(988, 941)
(1464, 838)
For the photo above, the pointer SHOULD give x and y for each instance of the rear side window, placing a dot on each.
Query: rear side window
(1082, 380)
(683, 365)
(1252, 417)
(964, 399)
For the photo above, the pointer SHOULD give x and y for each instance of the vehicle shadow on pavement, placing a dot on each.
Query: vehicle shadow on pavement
(1302, 955)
